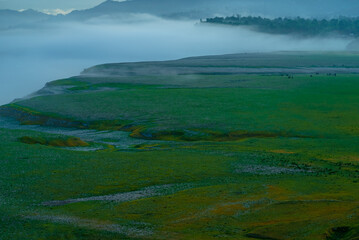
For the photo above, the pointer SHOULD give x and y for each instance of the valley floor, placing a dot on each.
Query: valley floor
(184, 156)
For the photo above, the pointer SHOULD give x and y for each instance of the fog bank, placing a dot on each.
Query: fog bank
(30, 58)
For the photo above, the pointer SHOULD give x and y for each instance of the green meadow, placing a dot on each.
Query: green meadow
(264, 155)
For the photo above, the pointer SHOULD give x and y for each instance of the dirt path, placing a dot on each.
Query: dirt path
(153, 191)
(144, 231)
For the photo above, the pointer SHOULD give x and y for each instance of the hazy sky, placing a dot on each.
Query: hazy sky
(48, 4)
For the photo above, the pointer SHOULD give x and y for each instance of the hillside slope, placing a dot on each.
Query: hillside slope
(245, 146)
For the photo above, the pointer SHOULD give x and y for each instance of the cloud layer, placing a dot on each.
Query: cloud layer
(30, 58)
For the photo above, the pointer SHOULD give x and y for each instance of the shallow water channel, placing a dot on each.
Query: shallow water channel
(118, 139)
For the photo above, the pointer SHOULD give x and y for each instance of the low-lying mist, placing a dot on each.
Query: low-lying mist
(31, 57)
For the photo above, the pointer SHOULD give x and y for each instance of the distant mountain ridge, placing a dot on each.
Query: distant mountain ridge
(191, 9)
(12, 18)
(209, 8)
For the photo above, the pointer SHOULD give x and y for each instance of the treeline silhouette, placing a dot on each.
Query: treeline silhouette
(299, 26)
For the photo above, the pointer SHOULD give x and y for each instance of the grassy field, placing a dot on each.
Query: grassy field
(236, 156)
(229, 190)
(314, 106)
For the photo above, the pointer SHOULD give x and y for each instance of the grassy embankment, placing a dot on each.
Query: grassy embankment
(248, 157)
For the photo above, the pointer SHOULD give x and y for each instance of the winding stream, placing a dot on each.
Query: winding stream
(120, 140)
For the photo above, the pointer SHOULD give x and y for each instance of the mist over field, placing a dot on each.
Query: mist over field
(179, 119)
(33, 56)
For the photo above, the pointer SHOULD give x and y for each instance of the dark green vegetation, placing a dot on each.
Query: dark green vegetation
(266, 155)
(343, 26)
